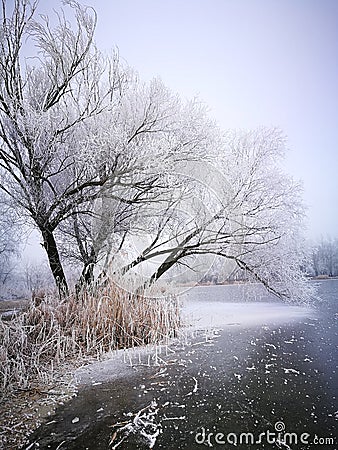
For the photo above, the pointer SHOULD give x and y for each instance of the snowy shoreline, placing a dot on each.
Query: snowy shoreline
(201, 316)
(224, 354)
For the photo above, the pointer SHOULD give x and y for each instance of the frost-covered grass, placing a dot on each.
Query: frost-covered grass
(49, 332)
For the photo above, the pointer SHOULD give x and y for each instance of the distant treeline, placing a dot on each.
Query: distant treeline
(324, 258)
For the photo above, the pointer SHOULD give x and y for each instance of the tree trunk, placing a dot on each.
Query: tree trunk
(88, 272)
(54, 261)
(86, 278)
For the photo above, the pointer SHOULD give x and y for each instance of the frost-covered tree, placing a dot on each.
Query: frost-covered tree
(103, 163)
(148, 133)
(40, 109)
(246, 211)
(9, 240)
(325, 257)
(76, 127)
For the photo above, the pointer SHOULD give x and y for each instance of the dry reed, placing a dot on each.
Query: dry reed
(49, 332)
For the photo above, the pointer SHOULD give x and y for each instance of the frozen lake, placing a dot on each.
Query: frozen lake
(256, 374)
(238, 305)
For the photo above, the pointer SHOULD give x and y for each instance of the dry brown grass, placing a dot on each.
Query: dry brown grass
(50, 332)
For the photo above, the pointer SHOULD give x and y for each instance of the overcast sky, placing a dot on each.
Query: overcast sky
(254, 62)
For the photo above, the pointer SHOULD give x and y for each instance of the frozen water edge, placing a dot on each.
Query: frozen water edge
(221, 314)
(119, 364)
(196, 315)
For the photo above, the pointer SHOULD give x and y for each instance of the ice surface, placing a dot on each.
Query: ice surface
(220, 314)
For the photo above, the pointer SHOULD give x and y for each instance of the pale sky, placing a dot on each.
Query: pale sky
(255, 63)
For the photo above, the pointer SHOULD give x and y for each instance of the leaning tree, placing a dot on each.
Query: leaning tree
(244, 209)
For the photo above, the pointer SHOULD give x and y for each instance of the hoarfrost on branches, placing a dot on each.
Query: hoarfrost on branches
(118, 173)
